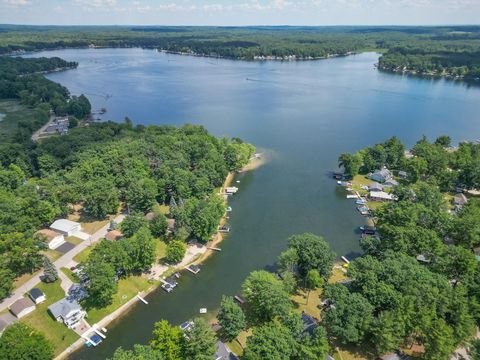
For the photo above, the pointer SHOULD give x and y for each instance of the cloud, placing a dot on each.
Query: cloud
(17, 2)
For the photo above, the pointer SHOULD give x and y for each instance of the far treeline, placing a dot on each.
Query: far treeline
(22, 79)
(452, 51)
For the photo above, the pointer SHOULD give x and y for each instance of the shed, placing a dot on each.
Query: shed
(381, 175)
(113, 235)
(381, 196)
(37, 295)
(22, 307)
(66, 227)
(52, 238)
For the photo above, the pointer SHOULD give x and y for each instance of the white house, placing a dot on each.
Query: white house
(66, 227)
(381, 175)
(67, 311)
(381, 196)
(37, 295)
(22, 307)
(52, 238)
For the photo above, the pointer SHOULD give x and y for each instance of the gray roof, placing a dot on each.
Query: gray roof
(35, 293)
(460, 199)
(63, 307)
(21, 304)
(391, 356)
(223, 353)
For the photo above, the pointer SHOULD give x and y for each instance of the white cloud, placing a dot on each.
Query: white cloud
(17, 2)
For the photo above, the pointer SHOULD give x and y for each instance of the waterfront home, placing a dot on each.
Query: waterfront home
(67, 311)
(381, 175)
(113, 235)
(375, 187)
(66, 227)
(58, 126)
(381, 196)
(37, 295)
(408, 154)
(459, 201)
(22, 307)
(52, 238)
(391, 183)
(77, 292)
(224, 353)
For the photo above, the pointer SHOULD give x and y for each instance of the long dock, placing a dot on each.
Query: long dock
(214, 248)
(142, 299)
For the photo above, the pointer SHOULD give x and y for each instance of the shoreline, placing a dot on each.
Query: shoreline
(217, 238)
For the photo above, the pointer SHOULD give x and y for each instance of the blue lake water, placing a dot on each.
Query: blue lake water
(303, 114)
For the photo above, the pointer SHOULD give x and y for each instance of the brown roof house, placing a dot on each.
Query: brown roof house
(113, 235)
(52, 238)
(22, 307)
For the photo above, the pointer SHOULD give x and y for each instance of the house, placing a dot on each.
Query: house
(381, 175)
(381, 196)
(37, 295)
(391, 183)
(391, 356)
(309, 323)
(402, 174)
(66, 227)
(113, 235)
(67, 311)
(408, 154)
(224, 353)
(375, 187)
(77, 292)
(22, 307)
(459, 201)
(52, 238)
(58, 126)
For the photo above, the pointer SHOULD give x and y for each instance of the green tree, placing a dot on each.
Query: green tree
(474, 350)
(19, 341)
(132, 223)
(313, 253)
(167, 341)
(158, 225)
(102, 285)
(141, 250)
(50, 273)
(288, 260)
(141, 194)
(271, 341)
(175, 251)
(6, 285)
(351, 163)
(101, 198)
(266, 297)
(443, 141)
(200, 341)
(231, 318)
(313, 281)
(314, 347)
(139, 352)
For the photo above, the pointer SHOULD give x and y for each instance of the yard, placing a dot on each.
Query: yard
(83, 255)
(127, 289)
(60, 336)
(69, 273)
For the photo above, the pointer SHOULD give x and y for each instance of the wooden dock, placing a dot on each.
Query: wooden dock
(142, 299)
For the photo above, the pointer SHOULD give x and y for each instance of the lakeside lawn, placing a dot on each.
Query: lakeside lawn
(160, 249)
(40, 319)
(127, 289)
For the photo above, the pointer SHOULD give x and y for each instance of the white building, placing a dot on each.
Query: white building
(52, 238)
(22, 307)
(37, 296)
(381, 196)
(66, 227)
(67, 311)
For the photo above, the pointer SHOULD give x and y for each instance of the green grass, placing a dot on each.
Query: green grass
(161, 249)
(74, 240)
(13, 112)
(83, 255)
(127, 289)
(40, 319)
(70, 274)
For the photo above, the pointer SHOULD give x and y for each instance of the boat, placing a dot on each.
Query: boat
(167, 287)
(229, 209)
(203, 310)
(177, 275)
(223, 229)
(186, 326)
(363, 210)
(194, 269)
(352, 196)
(360, 202)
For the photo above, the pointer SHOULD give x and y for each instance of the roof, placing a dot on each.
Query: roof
(64, 307)
(375, 186)
(49, 234)
(21, 304)
(460, 199)
(64, 225)
(391, 356)
(171, 224)
(113, 235)
(384, 173)
(381, 195)
(36, 293)
(149, 216)
(224, 353)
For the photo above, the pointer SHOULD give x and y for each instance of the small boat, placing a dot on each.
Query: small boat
(186, 326)
(167, 287)
(360, 202)
(223, 229)
(229, 209)
(177, 275)
(352, 196)
(95, 340)
(239, 299)
(194, 269)
(203, 310)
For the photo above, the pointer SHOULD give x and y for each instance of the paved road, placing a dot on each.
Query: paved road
(36, 134)
(61, 262)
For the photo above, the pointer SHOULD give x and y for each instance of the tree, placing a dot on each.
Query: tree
(50, 273)
(6, 285)
(141, 250)
(19, 341)
(141, 194)
(266, 297)
(313, 253)
(288, 260)
(167, 341)
(474, 350)
(158, 225)
(139, 352)
(313, 280)
(101, 197)
(102, 285)
(132, 223)
(205, 215)
(231, 318)
(314, 347)
(351, 163)
(443, 141)
(175, 251)
(200, 341)
(271, 341)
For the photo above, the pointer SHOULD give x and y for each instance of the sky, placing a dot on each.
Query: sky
(240, 12)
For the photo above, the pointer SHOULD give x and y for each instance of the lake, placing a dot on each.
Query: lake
(301, 114)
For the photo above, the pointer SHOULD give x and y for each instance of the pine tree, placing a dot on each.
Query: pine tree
(50, 273)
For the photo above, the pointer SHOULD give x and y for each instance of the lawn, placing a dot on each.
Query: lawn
(70, 275)
(161, 249)
(83, 255)
(312, 306)
(337, 274)
(53, 255)
(60, 336)
(238, 344)
(127, 289)
(19, 281)
(74, 240)
(93, 226)
(359, 181)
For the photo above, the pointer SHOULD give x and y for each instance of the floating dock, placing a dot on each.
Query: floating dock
(142, 299)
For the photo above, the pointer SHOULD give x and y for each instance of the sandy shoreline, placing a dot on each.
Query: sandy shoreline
(254, 163)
